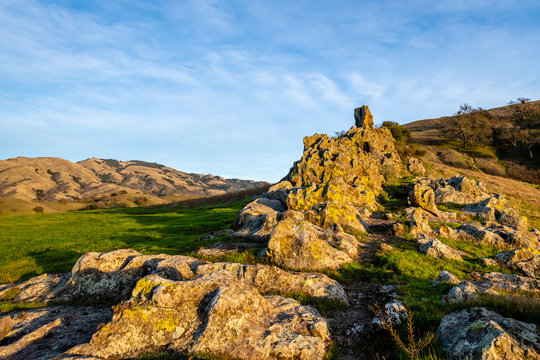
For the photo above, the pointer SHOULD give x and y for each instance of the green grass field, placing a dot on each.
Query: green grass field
(51, 243)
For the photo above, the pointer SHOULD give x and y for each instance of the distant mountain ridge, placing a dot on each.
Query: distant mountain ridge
(56, 179)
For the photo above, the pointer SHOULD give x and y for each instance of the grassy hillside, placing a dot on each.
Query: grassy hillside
(51, 243)
(494, 151)
(53, 182)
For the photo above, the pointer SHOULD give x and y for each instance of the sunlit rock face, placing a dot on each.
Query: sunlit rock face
(336, 180)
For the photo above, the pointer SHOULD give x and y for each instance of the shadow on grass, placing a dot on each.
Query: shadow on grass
(52, 261)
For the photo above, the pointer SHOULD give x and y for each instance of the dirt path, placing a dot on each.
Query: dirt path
(346, 325)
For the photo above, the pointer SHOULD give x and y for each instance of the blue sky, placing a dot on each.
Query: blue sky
(231, 87)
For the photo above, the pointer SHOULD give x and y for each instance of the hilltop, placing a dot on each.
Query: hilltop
(55, 183)
(498, 150)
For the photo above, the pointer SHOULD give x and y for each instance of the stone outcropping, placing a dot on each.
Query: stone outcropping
(214, 313)
(330, 187)
(521, 259)
(478, 333)
(180, 303)
(98, 277)
(437, 249)
(415, 167)
(44, 333)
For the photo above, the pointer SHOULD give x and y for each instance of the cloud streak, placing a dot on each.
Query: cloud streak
(231, 90)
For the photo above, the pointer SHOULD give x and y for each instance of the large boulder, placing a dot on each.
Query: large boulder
(111, 276)
(478, 333)
(298, 244)
(423, 196)
(504, 237)
(418, 224)
(211, 314)
(521, 259)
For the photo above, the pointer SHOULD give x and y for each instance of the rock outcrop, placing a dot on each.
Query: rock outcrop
(415, 167)
(437, 249)
(423, 196)
(418, 224)
(333, 184)
(214, 313)
(178, 303)
(478, 333)
(521, 259)
(363, 117)
(44, 333)
(111, 276)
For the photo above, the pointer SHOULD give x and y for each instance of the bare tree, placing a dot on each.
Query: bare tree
(469, 125)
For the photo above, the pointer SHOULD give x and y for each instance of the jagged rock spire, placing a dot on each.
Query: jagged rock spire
(363, 117)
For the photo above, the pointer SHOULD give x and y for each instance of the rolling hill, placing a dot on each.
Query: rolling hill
(59, 184)
(496, 155)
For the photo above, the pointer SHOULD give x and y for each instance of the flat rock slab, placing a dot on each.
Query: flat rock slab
(44, 333)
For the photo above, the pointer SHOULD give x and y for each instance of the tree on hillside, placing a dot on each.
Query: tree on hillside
(470, 125)
(522, 126)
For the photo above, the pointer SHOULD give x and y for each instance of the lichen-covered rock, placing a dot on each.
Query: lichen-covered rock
(43, 333)
(456, 190)
(271, 279)
(336, 181)
(498, 236)
(479, 234)
(43, 288)
(214, 313)
(511, 217)
(395, 311)
(437, 249)
(478, 333)
(92, 280)
(363, 117)
(418, 224)
(298, 244)
(447, 277)
(415, 167)
(424, 197)
(468, 186)
(494, 281)
(111, 276)
(489, 209)
(464, 292)
(521, 259)
(446, 232)
(258, 218)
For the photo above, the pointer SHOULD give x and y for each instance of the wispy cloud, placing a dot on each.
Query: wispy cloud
(231, 89)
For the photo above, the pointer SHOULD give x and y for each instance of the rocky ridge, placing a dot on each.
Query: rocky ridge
(333, 187)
